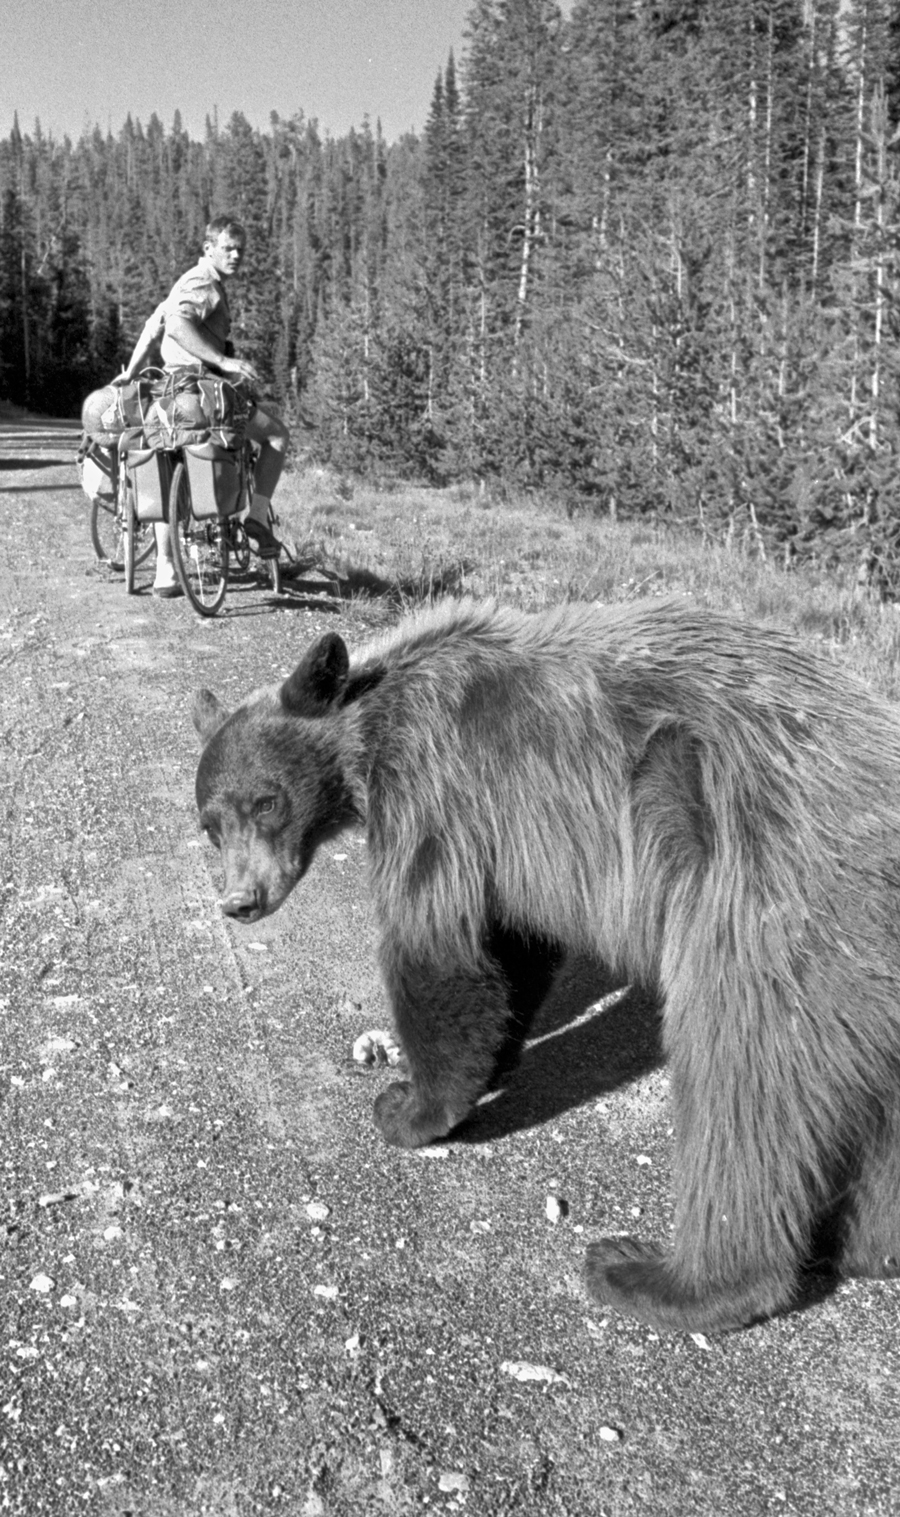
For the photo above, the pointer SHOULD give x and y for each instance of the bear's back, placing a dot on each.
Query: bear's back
(480, 700)
(624, 671)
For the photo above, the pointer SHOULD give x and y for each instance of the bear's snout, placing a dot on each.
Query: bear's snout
(247, 903)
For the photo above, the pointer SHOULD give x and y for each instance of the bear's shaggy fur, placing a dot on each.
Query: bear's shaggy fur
(699, 803)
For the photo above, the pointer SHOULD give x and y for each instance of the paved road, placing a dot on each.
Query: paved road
(220, 1293)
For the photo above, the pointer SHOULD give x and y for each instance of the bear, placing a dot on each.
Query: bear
(698, 803)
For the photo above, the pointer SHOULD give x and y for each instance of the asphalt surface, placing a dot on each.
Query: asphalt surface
(220, 1292)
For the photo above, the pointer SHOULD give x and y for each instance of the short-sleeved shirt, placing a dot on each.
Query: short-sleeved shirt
(200, 295)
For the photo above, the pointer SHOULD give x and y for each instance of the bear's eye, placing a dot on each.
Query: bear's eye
(213, 834)
(265, 804)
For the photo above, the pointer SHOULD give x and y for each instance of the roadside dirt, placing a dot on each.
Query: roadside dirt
(220, 1293)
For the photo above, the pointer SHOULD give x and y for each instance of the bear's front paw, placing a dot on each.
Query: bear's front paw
(403, 1120)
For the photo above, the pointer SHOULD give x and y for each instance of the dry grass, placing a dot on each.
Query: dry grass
(400, 546)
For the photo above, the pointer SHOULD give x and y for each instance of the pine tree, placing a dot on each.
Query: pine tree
(15, 337)
(446, 270)
(241, 188)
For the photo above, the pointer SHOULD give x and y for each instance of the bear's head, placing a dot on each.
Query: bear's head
(274, 780)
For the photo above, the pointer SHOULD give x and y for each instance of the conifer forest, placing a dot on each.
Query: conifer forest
(643, 258)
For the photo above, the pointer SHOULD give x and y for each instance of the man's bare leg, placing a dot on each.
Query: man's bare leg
(165, 582)
(273, 437)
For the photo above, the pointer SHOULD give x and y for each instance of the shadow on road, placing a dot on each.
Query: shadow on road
(590, 1037)
(23, 461)
(35, 489)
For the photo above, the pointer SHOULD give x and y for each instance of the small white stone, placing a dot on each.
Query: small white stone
(453, 1480)
(521, 1369)
(376, 1047)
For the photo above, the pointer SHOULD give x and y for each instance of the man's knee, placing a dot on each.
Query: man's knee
(264, 427)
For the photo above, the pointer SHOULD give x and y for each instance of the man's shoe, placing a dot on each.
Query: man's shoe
(167, 592)
(262, 539)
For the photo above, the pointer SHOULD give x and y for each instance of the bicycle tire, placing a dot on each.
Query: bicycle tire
(130, 544)
(273, 569)
(199, 548)
(140, 538)
(240, 544)
(108, 533)
(145, 541)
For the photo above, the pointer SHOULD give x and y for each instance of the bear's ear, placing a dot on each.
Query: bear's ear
(208, 714)
(319, 679)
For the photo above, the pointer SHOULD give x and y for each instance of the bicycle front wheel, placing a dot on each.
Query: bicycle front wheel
(273, 568)
(108, 532)
(199, 548)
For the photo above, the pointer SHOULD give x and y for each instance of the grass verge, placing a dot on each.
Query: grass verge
(400, 546)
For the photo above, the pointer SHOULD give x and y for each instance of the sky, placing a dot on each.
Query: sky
(74, 64)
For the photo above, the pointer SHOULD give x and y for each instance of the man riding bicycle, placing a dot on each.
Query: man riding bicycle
(192, 326)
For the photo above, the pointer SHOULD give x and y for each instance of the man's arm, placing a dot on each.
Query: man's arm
(190, 336)
(146, 349)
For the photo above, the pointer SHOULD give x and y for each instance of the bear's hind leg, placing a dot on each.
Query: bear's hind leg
(753, 1163)
(869, 1229)
(451, 1020)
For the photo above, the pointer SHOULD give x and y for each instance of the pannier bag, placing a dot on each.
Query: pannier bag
(215, 479)
(97, 471)
(149, 474)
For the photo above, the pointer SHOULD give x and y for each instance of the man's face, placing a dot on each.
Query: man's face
(225, 253)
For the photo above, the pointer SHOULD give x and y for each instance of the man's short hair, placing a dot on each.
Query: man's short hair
(229, 224)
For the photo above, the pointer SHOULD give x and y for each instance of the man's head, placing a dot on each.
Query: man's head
(223, 244)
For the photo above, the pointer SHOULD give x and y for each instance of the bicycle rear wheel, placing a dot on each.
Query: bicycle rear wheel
(108, 532)
(199, 548)
(239, 544)
(140, 541)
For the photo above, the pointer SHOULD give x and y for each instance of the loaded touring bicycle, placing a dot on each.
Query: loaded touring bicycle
(171, 446)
